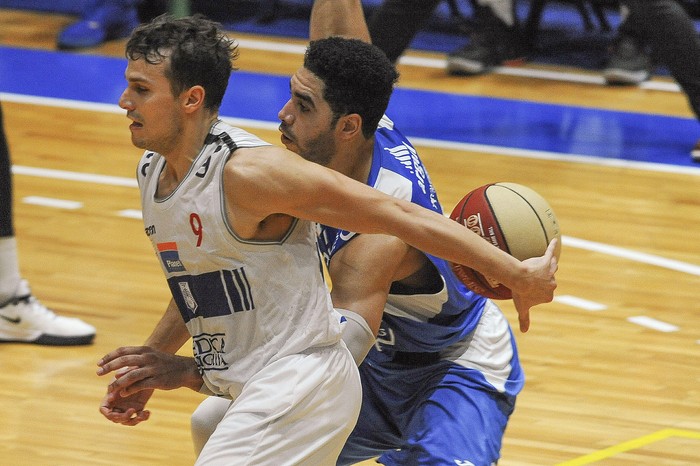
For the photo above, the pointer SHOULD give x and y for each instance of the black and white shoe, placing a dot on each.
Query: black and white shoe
(492, 43)
(24, 319)
(629, 64)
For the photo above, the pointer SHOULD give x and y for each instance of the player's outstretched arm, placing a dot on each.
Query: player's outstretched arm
(272, 180)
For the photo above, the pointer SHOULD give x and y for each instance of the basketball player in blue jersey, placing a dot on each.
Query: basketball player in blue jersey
(230, 218)
(440, 380)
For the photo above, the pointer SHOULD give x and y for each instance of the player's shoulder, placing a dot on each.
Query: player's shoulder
(233, 137)
(258, 162)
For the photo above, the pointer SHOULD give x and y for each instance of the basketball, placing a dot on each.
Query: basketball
(513, 218)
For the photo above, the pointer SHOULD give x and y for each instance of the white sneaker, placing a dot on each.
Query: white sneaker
(25, 319)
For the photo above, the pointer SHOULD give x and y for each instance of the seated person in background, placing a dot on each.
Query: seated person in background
(664, 26)
(105, 20)
(668, 30)
(495, 39)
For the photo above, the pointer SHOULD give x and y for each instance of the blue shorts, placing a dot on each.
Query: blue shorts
(438, 413)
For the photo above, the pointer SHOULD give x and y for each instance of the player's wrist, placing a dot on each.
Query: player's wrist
(193, 378)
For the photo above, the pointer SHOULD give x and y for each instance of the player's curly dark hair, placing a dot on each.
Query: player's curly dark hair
(200, 53)
(358, 78)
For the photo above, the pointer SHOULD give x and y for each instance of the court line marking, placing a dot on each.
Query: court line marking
(426, 142)
(131, 213)
(566, 240)
(580, 303)
(558, 156)
(53, 203)
(654, 324)
(632, 255)
(631, 445)
(74, 176)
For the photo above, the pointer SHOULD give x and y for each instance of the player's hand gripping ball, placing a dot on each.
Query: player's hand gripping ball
(513, 218)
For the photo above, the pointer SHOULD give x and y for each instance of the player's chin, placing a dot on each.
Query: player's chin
(289, 144)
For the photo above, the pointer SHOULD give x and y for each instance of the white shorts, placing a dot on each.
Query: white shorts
(298, 410)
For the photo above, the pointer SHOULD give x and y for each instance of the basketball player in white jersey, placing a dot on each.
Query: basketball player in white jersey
(230, 218)
(441, 379)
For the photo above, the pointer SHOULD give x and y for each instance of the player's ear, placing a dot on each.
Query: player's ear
(193, 98)
(350, 125)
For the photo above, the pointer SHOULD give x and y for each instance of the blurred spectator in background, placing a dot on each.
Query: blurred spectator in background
(494, 40)
(103, 20)
(666, 28)
(661, 27)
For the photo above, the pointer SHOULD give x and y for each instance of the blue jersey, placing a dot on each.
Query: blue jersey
(417, 322)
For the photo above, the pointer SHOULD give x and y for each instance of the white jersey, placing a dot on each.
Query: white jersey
(246, 303)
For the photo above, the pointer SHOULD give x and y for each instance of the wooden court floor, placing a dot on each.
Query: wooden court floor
(613, 365)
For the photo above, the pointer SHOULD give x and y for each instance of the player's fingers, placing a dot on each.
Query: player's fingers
(115, 415)
(523, 314)
(524, 319)
(130, 382)
(121, 352)
(136, 418)
(123, 365)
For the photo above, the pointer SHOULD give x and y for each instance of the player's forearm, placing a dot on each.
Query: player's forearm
(445, 238)
(170, 332)
(338, 18)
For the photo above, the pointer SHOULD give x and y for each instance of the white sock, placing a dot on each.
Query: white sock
(9, 269)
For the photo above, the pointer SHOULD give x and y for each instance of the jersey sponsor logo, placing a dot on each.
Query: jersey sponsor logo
(464, 463)
(404, 154)
(209, 350)
(170, 257)
(150, 230)
(408, 157)
(212, 294)
(187, 296)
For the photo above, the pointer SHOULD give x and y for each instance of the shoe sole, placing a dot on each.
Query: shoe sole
(617, 76)
(463, 67)
(53, 340)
